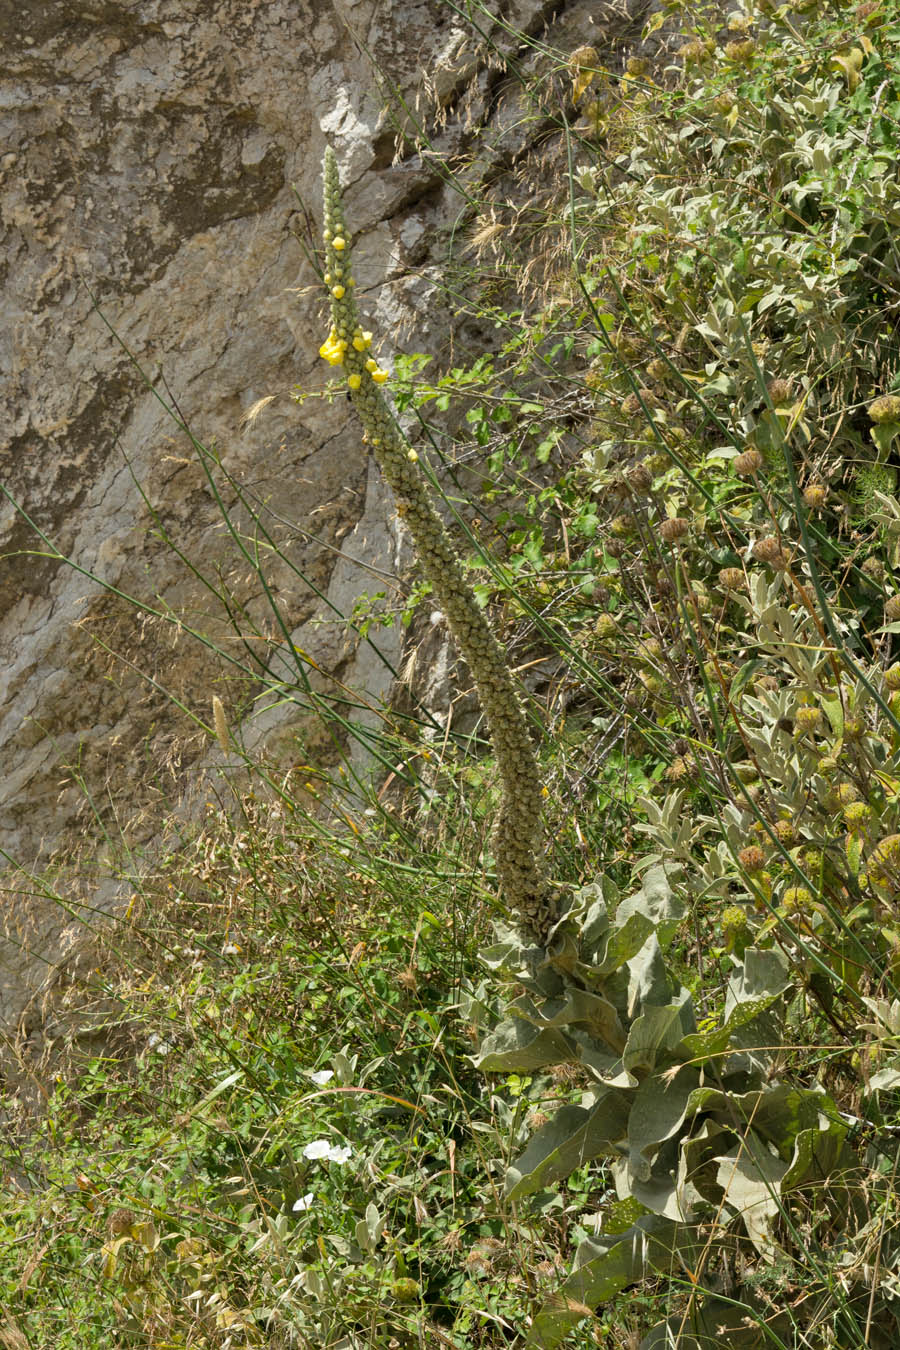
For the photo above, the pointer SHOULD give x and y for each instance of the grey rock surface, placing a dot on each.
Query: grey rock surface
(151, 233)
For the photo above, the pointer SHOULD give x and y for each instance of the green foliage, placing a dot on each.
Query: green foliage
(675, 473)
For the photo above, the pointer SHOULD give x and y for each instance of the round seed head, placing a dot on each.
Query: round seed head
(884, 862)
(780, 392)
(769, 551)
(845, 793)
(857, 814)
(674, 529)
(752, 859)
(796, 898)
(640, 478)
(885, 409)
(740, 52)
(680, 769)
(748, 463)
(807, 720)
(783, 831)
(870, 13)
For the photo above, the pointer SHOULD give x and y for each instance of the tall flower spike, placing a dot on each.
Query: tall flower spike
(518, 830)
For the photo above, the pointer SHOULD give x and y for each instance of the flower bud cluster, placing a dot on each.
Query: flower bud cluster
(517, 835)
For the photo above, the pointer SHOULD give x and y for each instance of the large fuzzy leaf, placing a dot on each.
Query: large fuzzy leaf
(657, 1113)
(819, 1152)
(517, 1045)
(763, 976)
(654, 1187)
(778, 1112)
(657, 902)
(574, 1136)
(605, 1266)
(703, 1045)
(622, 942)
(886, 1079)
(586, 1011)
(655, 1035)
(645, 979)
(695, 1180)
(750, 1177)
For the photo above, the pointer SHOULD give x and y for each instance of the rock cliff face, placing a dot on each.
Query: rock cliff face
(150, 230)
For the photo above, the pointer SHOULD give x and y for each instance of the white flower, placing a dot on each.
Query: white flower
(322, 1076)
(319, 1148)
(305, 1202)
(155, 1042)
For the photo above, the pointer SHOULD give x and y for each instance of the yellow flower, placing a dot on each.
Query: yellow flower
(379, 376)
(338, 292)
(363, 341)
(354, 381)
(332, 349)
(338, 243)
(371, 365)
(412, 456)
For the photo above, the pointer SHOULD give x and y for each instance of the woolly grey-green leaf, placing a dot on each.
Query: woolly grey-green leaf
(750, 1177)
(819, 1152)
(574, 1136)
(764, 975)
(657, 901)
(517, 1046)
(657, 1113)
(604, 1266)
(656, 1034)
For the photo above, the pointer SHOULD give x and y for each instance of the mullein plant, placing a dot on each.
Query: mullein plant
(697, 1128)
(518, 831)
